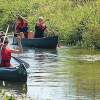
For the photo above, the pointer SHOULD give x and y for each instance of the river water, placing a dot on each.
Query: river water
(61, 74)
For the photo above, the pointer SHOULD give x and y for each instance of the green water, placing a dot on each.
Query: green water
(82, 67)
(62, 74)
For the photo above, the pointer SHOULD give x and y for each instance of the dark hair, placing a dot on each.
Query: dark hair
(6, 40)
(20, 18)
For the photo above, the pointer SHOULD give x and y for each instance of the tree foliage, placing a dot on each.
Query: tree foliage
(75, 21)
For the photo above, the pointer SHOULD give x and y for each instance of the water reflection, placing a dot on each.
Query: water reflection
(83, 74)
(87, 79)
(43, 83)
(42, 56)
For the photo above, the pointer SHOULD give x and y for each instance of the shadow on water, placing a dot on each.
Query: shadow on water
(42, 55)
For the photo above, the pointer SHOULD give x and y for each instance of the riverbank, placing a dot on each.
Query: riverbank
(75, 22)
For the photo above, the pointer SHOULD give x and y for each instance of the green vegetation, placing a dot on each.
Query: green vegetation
(76, 21)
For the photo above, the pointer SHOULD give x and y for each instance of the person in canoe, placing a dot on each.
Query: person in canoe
(1, 34)
(5, 52)
(21, 26)
(40, 28)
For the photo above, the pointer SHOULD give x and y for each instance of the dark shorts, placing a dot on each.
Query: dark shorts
(24, 30)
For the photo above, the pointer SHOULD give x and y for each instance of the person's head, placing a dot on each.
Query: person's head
(4, 41)
(41, 19)
(20, 18)
(1, 33)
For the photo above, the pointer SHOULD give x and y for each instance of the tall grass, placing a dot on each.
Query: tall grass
(77, 22)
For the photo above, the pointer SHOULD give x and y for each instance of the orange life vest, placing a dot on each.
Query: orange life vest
(5, 57)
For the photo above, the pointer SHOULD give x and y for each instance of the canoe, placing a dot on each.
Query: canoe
(16, 73)
(45, 42)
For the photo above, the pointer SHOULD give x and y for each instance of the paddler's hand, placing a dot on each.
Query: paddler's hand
(18, 38)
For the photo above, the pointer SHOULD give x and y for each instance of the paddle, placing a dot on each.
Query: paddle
(19, 44)
(21, 61)
(3, 42)
(5, 36)
(22, 17)
(14, 35)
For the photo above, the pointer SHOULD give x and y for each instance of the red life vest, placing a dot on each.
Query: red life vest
(41, 26)
(6, 57)
(21, 25)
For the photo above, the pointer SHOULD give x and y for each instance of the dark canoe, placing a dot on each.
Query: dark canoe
(17, 73)
(45, 42)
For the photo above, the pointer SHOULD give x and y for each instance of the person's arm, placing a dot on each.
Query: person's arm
(17, 51)
(46, 30)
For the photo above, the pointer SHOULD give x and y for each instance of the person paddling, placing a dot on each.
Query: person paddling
(7, 51)
(1, 34)
(21, 26)
(40, 28)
